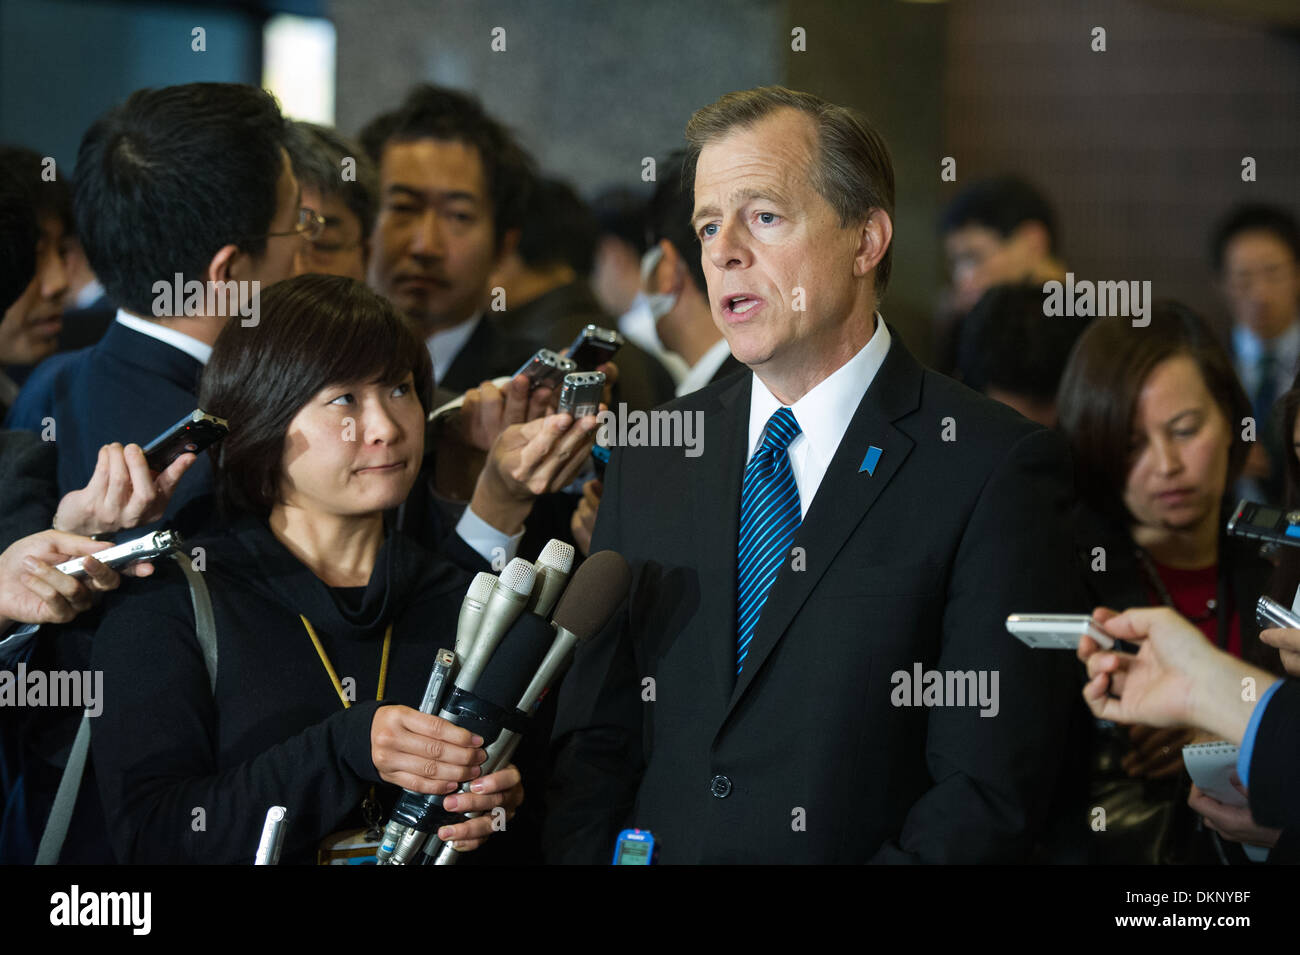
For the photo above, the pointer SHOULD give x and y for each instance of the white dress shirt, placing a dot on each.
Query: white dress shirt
(1248, 348)
(823, 414)
(200, 351)
(445, 345)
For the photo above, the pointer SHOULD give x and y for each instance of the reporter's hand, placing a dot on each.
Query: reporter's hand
(488, 410)
(583, 522)
(1232, 822)
(422, 752)
(32, 591)
(122, 492)
(1155, 686)
(1177, 678)
(538, 457)
(1288, 642)
(503, 788)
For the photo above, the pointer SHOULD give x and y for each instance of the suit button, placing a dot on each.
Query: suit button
(720, 786)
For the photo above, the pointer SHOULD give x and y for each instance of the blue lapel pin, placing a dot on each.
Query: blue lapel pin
(870, 461)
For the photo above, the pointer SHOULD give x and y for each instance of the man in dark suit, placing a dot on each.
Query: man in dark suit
(221, 213)
(812, 663)
(453, 183)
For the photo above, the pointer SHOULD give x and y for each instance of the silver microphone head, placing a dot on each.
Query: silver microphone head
(518, 577)
(557, 554)
(553, 566)
(471, 612)
(500, 610)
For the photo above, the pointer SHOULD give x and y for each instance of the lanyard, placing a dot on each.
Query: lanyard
(329, 667)
(370, 809)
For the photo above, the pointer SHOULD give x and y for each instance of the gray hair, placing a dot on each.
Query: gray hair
(852, 170)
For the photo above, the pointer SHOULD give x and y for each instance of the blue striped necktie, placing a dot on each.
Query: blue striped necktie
(769, 516)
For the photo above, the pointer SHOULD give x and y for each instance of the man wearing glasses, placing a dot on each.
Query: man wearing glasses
(185, 184)
(340, 182)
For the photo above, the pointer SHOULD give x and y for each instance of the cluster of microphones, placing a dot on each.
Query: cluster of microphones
(515, 637)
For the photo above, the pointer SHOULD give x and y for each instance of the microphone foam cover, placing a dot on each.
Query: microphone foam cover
(514, 662)
(519, 576)
(482, 586)
(593, 594)
(557, 554)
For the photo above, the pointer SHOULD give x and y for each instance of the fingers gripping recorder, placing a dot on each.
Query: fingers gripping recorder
(589, 602)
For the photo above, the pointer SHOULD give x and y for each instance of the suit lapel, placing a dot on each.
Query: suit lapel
(845, 495)
(716, 502)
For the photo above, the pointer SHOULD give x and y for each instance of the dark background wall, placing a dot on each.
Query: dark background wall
(1140, 147)
(63, 62)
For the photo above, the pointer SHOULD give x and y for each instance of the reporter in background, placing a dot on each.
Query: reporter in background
(348, 204)
(1177, 679)
(189, 180)
(1152, 415)
(29, 330)
(1010, 351)
(309, 589)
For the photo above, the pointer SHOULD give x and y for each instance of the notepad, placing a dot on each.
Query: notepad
(1211, 766)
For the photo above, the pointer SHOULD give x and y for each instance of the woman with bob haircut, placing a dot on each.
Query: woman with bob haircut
(327, 621)
(1155, 417)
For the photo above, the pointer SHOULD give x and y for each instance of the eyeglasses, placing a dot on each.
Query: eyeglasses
(310, 225)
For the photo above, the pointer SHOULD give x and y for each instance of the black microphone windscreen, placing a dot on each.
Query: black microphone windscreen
(594, 593)
(514, 661)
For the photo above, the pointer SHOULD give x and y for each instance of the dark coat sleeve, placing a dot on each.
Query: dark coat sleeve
(597, 753)
(993, 776)
(165, 798)
(1275, 761)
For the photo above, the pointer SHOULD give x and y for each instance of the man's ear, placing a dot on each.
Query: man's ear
(671, 272)
(873, 241)
(223, 263)
(509, 242)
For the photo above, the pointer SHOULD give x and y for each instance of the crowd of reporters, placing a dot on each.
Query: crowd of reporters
(375, 310)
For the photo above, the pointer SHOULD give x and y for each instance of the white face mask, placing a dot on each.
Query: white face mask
(660, 304)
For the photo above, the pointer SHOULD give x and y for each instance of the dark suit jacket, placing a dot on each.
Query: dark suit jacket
(805, 758)
(728, 368)
(1275, 762)
(28, 494)
(129, 388)
(488, 353)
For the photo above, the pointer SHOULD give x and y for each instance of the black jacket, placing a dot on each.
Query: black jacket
(128, 387)
(1275, 763)
(275, 733)
(806, 758)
